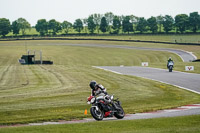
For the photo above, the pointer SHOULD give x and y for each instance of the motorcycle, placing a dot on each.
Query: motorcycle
(105, 106)
(170, 66)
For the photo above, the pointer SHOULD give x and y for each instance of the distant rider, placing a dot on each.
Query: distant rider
(169, 60)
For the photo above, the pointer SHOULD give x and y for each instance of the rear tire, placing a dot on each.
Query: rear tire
(170, 69)
(96, 114)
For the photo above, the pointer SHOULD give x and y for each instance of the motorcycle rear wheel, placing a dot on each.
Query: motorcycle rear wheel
(170, 69)
(96, 114)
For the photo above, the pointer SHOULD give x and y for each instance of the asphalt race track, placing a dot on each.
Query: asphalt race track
(183, 80)
(184, 55)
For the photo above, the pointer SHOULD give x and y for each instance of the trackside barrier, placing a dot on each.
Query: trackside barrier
(145, 64)
(189, 68)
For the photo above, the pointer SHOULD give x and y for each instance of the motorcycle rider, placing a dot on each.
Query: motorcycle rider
(169, 60)
(99, 90)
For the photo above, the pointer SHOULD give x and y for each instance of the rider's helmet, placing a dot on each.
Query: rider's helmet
(93, 84)
(170, 58)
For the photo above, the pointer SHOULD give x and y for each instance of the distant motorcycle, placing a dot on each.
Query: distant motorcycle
(170, 66)
(105, 106)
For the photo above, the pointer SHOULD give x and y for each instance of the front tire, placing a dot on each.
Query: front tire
(120, 113)
(96, 114)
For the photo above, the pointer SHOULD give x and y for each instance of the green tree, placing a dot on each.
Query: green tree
(66, 26)
(142, 25)
(134, 21)
(181, 22)
(54, 26)
(127, 26)
(5, 26)
(15, 27)
(116, 24)
(160, 22)
(91, 24)
(103, 25)
(109, 18)
(194, 21)
(168, 23)
(152, 23)
(85, 23)
(121, 18)
(78, 25)
(42, 27)
(23, 25)
(97, 21)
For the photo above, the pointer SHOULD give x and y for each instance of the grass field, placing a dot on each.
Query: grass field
(161, 38)
(173, 38)
(35, 93)
(186, 124)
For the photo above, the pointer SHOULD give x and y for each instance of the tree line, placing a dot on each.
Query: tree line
(107, 22)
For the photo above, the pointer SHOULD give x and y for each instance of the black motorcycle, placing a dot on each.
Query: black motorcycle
(105, 106)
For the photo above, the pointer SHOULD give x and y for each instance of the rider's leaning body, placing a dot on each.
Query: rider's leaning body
(97, 89)
(100, 92)
(168, 61)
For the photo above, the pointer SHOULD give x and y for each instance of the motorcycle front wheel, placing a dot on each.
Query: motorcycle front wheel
(96, 114)
(120, 113)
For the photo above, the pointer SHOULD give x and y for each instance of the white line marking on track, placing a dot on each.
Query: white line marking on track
(108, 70)
(188, 53)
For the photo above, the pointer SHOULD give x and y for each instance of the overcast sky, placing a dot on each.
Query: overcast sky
(70, 10)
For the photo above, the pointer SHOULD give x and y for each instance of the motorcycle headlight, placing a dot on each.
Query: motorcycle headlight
(92, 100)
(111, 97)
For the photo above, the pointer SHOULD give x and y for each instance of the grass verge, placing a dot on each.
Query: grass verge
(184, 124)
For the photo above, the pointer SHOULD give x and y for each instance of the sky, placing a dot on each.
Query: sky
(70, 10)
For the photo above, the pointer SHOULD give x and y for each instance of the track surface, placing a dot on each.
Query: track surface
(184, 55)
(183, 80)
